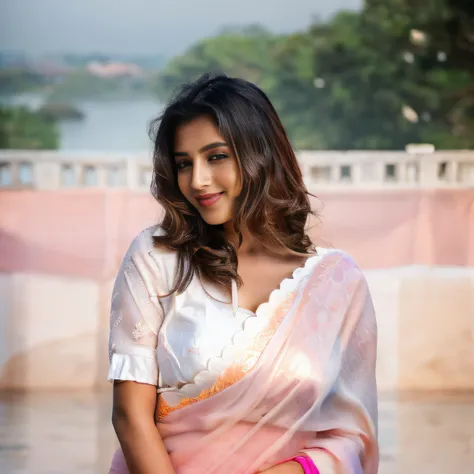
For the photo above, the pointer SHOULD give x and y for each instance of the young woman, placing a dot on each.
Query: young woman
(236, 346)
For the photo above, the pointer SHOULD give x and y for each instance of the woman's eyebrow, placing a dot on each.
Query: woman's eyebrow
(204, 148)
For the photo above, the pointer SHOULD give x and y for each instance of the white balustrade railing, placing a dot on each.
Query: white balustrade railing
(321, 169)
(387, 169)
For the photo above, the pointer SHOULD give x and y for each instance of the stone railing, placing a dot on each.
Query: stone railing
(375, 169)
(55, 170)
(321, 169)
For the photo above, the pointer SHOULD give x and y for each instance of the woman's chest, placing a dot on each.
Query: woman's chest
(197, 331)
(205, 329)
(260, 277)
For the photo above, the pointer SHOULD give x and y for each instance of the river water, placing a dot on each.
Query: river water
(112, 125)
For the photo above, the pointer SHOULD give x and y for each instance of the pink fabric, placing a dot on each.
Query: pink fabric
(305, 382)
(306, 463)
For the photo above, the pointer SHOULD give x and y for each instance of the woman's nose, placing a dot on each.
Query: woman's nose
(202, 176)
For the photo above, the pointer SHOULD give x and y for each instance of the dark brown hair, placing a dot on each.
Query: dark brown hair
(274, 203)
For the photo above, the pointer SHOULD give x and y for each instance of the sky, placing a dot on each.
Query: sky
(145, 27)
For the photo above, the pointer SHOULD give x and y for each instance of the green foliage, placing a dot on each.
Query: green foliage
(18, 80)
(348, 83)
(22, 129)
(439, 82)
(244, 53)
(57, 111)
(82, 85)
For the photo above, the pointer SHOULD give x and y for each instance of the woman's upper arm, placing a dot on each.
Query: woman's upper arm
(135, 319)
(133, 402)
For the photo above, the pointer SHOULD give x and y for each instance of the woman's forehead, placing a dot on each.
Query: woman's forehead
(197, 133)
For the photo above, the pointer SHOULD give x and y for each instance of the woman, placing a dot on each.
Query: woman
(236, 346)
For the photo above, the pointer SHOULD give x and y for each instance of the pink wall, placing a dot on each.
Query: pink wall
(85, 232)
(392, 228)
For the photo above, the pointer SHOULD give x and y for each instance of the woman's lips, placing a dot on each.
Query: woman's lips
(207, 200)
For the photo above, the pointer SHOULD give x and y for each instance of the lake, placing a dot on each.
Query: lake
(113, 125)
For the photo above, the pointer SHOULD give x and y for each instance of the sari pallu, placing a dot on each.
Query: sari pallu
(304, 383)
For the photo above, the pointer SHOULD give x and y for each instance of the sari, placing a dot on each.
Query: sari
(301, 382)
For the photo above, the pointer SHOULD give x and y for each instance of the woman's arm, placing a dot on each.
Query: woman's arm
(133, 421)
(135, 319)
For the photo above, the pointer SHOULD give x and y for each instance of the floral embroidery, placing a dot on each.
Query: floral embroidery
(141, 329)
(115, 314)
(111, 350)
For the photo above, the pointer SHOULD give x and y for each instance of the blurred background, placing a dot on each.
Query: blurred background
(378, 99)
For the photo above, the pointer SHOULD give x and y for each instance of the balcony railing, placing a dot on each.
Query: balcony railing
(321, 169)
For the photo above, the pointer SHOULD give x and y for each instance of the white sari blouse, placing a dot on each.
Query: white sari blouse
(193, 336)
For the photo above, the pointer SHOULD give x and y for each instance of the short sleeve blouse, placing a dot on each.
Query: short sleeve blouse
(183, 333)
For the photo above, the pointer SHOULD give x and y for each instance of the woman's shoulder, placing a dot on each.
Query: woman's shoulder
(339, 260)
(144, 243)
(151, 259)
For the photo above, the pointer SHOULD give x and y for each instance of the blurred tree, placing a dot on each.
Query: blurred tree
(293, 92)
(365, 80)
(443, 43)
(381, 85)
(347, 97)
(241, 52)
(437, 42)
(22, 129)
(399, 72)
(19, 80)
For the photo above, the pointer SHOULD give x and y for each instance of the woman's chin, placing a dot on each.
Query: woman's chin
(214, 219)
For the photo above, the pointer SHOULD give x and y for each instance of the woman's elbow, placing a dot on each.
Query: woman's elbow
(120, 418)
(124, 420)
(133, 406)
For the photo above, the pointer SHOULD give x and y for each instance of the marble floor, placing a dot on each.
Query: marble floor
(60, 433)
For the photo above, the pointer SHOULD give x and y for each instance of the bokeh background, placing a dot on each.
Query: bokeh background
(378, 99)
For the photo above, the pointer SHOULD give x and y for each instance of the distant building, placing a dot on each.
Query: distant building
(114, 69)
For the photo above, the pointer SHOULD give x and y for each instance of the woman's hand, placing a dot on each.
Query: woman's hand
(290, 467)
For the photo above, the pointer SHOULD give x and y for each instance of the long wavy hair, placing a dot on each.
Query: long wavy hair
(274, 203)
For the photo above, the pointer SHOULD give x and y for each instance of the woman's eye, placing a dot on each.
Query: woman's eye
(218, 156)
(182, 164)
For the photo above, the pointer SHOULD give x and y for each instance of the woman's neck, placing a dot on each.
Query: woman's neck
(249, 246)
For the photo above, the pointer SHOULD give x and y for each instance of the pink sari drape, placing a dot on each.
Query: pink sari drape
(304, 383)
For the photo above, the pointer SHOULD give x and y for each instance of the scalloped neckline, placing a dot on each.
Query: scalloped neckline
(276, 290)
(251, 325)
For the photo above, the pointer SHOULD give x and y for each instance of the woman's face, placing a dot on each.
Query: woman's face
(208, 173)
